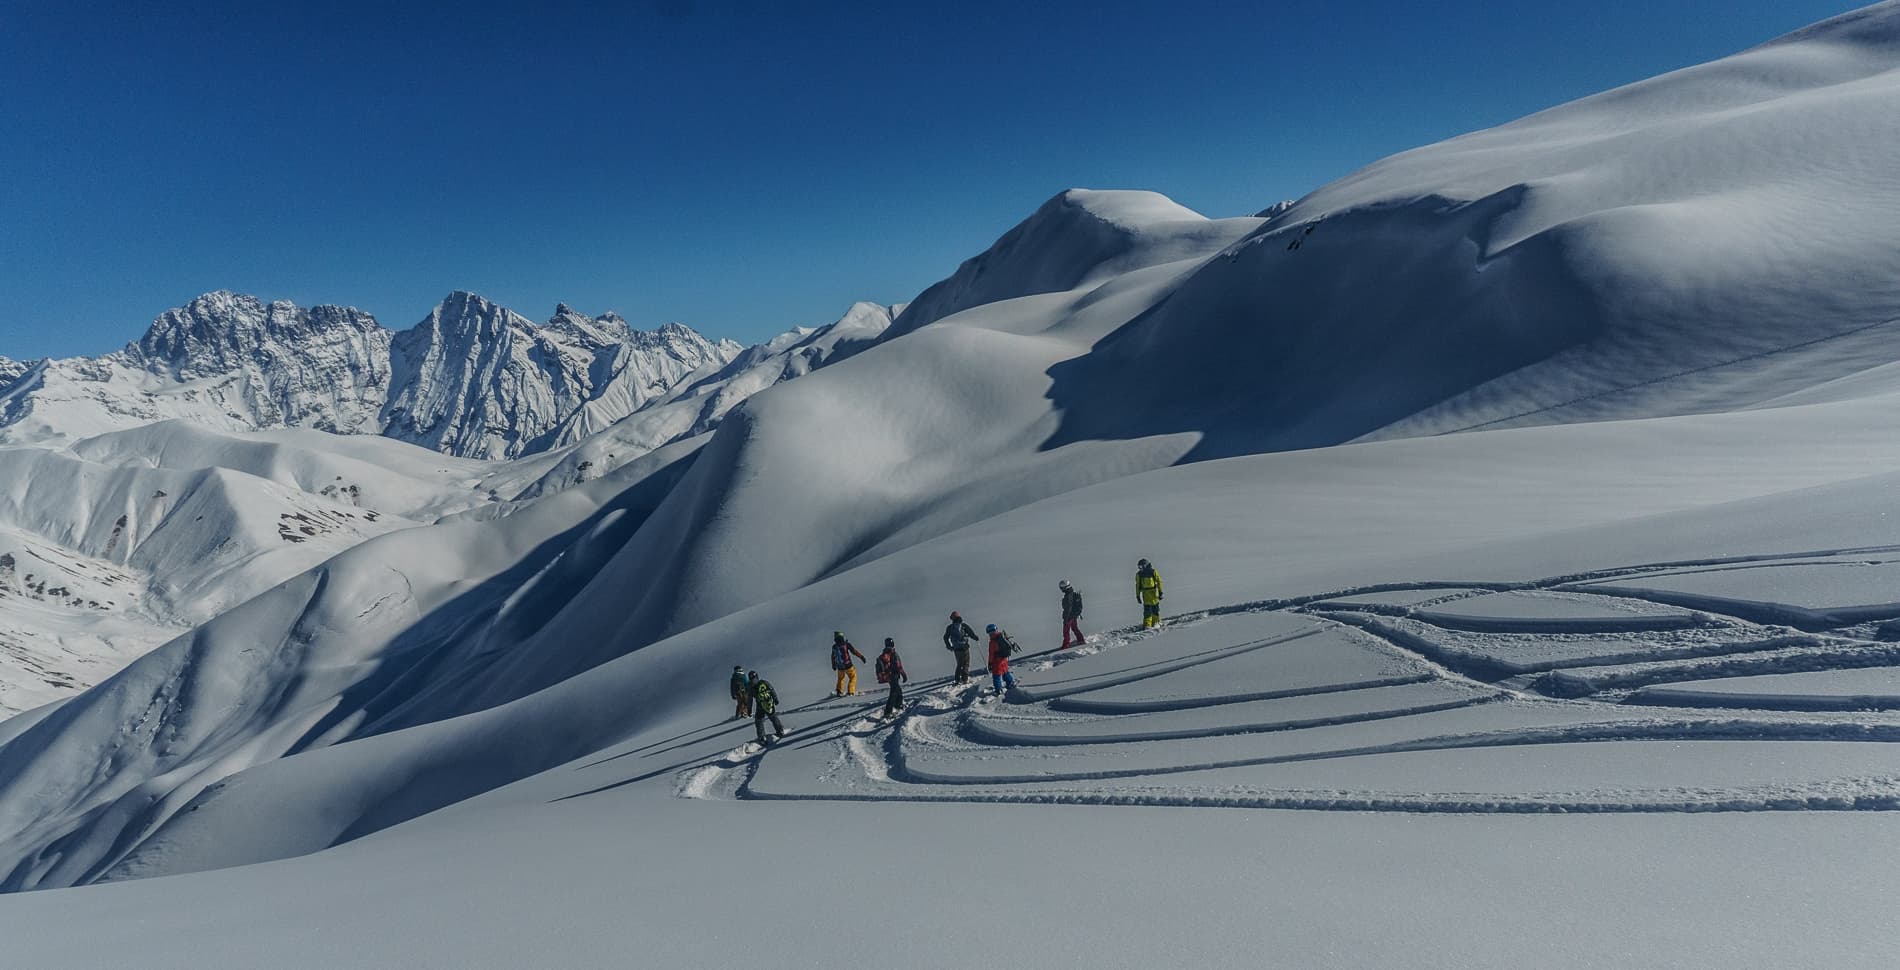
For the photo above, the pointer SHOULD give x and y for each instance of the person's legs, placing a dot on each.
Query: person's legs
(758, 723)
(777, 728)
(895, 701)
(1072, 626)
(963, 666)
(839, 690)
(851, 679)
(1008, 679)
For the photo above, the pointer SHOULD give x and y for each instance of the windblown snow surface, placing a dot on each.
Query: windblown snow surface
(1422, 699)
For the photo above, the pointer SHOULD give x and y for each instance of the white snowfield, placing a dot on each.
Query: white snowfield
(1604, 681)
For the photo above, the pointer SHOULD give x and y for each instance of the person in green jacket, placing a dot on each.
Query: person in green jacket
(1148, 593)
(764, 705)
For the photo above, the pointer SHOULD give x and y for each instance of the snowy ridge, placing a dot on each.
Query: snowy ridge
(1079, 236)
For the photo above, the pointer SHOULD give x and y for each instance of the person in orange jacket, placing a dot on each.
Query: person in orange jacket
(1001, 646)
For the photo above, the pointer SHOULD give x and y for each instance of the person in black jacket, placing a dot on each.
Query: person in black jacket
(764, 705)
(1071, 615)
(841, 653)
(957, 638)
(741, 693)
(890, 670)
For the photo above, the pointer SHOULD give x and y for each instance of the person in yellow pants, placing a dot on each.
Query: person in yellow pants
(841, 653)
(1148, 593)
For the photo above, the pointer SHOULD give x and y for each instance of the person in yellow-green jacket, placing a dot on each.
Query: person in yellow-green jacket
(1148, 593)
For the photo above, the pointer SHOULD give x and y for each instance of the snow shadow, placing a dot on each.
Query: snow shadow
(1312, 334)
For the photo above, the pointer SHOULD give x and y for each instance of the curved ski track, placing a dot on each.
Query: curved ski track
(1314, 703)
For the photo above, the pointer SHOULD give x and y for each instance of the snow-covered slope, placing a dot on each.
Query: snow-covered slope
(1479, 625)
(103, 557)
(472, 380)
(1078, 237)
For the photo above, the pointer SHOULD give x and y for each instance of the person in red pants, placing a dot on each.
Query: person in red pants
(1071, 616)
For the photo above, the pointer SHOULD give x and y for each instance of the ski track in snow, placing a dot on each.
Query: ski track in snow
(1190, 715)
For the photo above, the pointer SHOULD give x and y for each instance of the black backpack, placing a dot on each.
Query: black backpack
(1006, 646)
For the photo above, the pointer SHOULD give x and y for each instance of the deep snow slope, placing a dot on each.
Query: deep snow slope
(103, 557)
(1534, 618)
(472, 379)
(1301, 704)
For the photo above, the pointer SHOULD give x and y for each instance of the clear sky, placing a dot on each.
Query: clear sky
(741, 167)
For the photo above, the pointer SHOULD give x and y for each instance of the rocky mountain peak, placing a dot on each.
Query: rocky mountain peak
(473, 378)
(222, 331)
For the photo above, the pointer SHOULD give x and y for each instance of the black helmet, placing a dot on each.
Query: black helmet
(738, 666)
(890, 642)
(954, 615)
(1064, 585)
(837, 635)
(752, 675)
(1143, 564)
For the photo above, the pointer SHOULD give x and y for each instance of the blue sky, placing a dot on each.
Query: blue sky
(740, 167)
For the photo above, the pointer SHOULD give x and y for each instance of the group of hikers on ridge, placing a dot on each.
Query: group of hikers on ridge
(755, 697)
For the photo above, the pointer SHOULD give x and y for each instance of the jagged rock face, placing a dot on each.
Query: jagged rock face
(279, 365)
(473, 379)
(481, 381)
(10, 371)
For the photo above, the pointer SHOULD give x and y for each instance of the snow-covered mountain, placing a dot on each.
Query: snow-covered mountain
(473, 380)
(1638, 613)
(287, 499)
(10, 371)
(478, 380)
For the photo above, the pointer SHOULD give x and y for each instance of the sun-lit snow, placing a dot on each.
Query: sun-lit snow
(1603, 679)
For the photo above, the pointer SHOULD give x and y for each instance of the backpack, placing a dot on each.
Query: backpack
(767, 698)
(884, 668)
(841, 655)
(958, 636)
(1005, 646)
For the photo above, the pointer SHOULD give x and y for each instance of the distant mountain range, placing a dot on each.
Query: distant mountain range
(473, 379)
